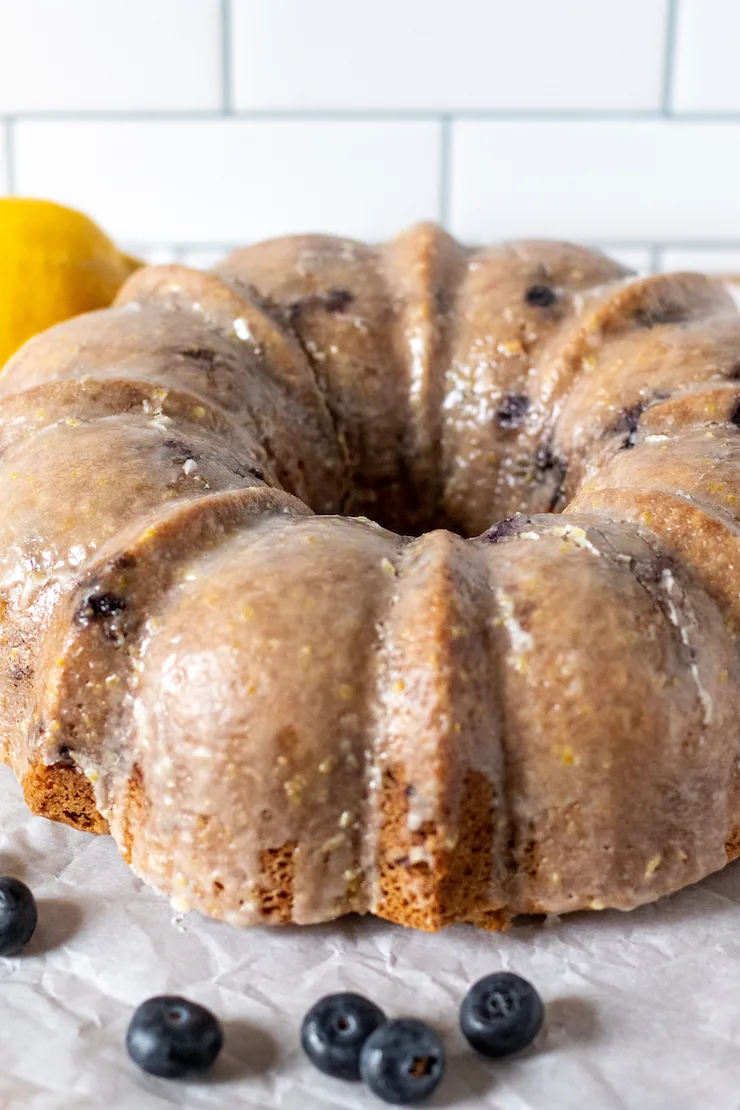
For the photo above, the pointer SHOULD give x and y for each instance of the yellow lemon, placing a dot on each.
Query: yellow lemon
(54, 263)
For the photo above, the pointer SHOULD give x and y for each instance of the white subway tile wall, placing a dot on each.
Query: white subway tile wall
(636, 179)
(212, 181)
(707, 75)
(721, 261)
(190, 126)
(442, 57)
(110, 55)
(640, 259)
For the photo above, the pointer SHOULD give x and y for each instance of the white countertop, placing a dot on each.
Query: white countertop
(643, 1009)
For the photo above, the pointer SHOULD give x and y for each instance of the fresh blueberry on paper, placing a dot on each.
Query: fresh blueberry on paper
(402, 1062)
(501, 1014)
(334, 1031)
(18, 915)
(172, 1037)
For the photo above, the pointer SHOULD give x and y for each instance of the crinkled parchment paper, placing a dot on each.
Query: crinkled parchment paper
(643, 1009)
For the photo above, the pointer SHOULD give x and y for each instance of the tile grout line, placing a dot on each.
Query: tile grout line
(196, 115)
(445, 169)
(9, 151)
(226, 83)
(724, 246)
(669, 59)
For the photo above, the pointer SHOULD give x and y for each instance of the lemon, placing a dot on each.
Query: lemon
(54, 263)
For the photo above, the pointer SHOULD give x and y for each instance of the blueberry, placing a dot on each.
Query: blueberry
(18, 915)
(540, 296)
(172, 1037)
(104, 605)
(512, 410)
(402, 1062)
(334, 1031)
(501, 1014)
(336, 300)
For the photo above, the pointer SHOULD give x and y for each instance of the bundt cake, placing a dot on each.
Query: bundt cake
(242, 627)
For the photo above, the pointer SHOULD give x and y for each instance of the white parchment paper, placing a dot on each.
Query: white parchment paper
(643, 1009)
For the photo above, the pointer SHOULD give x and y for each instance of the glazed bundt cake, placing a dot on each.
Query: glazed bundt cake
(243, 629)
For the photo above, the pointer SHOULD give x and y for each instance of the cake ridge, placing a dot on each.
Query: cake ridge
(110, 643)
(430, 868)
